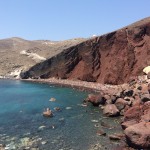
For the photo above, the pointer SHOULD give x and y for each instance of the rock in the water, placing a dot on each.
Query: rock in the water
(138, 135)
(110, 110)
(105, 125)
(57, 109)
(48, 113)
(44, 142)
(52, 99)
(41, 127)
(96, 100)
(95, 121)
(114, 137)
(68, 108)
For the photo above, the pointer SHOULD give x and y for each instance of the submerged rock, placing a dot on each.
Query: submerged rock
(52, 99)
(105, 125)
(57, 109)
(96, 147)
(114, 137)
(44, 142)
(41, 127)
(68, 108)
(95, 121)
(101, 132)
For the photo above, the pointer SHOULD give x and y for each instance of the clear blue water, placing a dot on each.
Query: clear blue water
(21, 107)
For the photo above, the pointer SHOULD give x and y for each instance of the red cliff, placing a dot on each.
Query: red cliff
(111, 58)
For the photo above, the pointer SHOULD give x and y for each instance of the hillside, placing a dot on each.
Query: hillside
(18, 54)
(111, 58)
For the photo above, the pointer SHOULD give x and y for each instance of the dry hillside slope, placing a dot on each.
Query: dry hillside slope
(18, 54)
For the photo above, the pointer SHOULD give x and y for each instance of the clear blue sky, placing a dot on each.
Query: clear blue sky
(65, 19)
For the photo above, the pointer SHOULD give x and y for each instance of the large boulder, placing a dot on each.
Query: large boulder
(96, 100)
(133, 113)
(110, 110)
(138, 135)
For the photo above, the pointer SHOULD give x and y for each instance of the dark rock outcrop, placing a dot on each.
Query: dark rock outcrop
(111, 58)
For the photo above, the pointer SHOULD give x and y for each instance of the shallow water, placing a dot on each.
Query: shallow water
(22, 124)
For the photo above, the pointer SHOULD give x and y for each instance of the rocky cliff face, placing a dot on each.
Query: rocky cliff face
(112, 58)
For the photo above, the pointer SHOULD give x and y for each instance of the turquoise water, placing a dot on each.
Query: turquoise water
(21, 107)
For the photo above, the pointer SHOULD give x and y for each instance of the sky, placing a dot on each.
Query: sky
(66, 19)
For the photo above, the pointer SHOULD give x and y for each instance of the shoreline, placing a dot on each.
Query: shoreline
(80, 85)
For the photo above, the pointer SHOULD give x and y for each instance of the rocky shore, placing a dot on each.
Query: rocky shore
(130, 100)
(133, 103)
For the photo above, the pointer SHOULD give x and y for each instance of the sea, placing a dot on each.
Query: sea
(73, 127)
